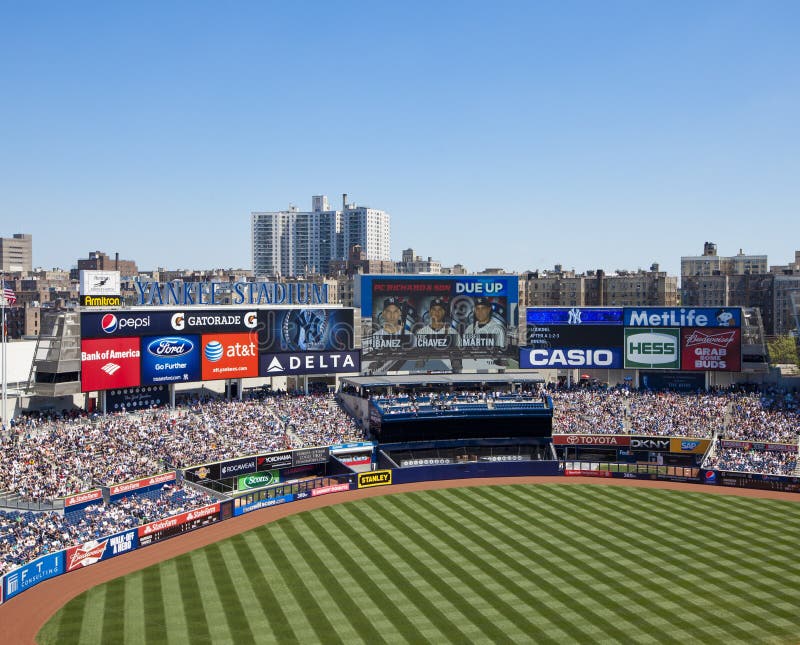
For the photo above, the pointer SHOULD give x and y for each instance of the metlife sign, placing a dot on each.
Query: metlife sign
(652, 349)
(682, 317)
(583, 357)
(309, 363)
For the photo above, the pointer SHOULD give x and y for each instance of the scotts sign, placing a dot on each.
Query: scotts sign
(655, 444)
(258, 480)
(652, 348)
(591, 440)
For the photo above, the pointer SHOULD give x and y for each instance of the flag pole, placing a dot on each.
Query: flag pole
(6, 424)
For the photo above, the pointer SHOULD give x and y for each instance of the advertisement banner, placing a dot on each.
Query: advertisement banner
(99, 283)
(137, 398)
(31, 574)
(310, 363)
(588, 473)
(652, 349)
(300, 330)
(109, 363)
(591, 316)
(275, 460)
(183, 523)
(374, 478)
(568, 336)
(96, 550)
(82, 500)
(757, 445)
(167, 323)
(675, 381)
(711, 350)
(144, 483)
(541, 358)
(258, 480)
(611, 441)
(326, 490)
(240, 507)
(692, 446)
(355, 459)
(170, 359)
(229, 356)
(651, 444)
(682, 317)
(236, 467)
(206, 472)
(307, 456)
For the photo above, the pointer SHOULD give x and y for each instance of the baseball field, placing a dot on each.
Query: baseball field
(517, 563)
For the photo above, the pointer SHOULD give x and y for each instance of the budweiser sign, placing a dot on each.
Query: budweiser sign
(609, 440)
(85, 554)
(716, 339)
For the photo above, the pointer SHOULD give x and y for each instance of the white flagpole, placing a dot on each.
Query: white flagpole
(5, 385)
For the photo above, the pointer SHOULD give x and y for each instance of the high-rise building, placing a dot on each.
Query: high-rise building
(295, 243)
(16, 253)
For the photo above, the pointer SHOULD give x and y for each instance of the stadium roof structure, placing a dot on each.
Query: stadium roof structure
(442, 379)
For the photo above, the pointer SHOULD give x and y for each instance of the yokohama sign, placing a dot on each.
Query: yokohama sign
(609, 440)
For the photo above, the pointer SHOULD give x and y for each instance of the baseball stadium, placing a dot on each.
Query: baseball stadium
(615, 476)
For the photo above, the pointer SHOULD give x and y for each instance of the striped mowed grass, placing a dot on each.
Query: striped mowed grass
(506, 564)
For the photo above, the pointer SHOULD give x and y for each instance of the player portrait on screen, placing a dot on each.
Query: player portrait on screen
(486, 327)
(438, 330)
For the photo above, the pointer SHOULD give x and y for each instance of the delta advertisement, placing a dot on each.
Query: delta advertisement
(310, 363)
(94, 551)
(646, 338)
(437, 323)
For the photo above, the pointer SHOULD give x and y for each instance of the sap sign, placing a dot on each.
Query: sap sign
(652, 348)
(538, 358)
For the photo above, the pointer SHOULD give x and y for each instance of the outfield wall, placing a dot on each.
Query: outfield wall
(76, 557)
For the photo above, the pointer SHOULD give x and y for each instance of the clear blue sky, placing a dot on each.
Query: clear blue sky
(512, 134)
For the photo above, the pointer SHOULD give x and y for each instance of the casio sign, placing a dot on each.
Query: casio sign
(571, 358)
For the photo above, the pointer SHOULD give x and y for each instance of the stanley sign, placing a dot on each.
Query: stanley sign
(375, 478)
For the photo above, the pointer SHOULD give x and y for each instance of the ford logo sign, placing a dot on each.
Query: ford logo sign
(170, 346)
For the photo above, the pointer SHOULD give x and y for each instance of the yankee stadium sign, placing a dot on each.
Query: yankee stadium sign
(184, 294)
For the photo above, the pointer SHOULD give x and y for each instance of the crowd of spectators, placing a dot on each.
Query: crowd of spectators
(771, 415)
(45, 458)
(770, 462)
(589, 411)
(24, 536)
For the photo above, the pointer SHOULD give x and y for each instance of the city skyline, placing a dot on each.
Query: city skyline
(517, 136)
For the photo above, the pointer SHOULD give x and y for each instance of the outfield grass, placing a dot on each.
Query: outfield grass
(543, 563)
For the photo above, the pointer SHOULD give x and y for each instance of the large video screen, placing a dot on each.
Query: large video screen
(439, 323)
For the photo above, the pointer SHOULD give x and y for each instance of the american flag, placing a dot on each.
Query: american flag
(8, 295)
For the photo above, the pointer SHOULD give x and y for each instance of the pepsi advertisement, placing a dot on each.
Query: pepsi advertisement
(152, 323)
(170, 359)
